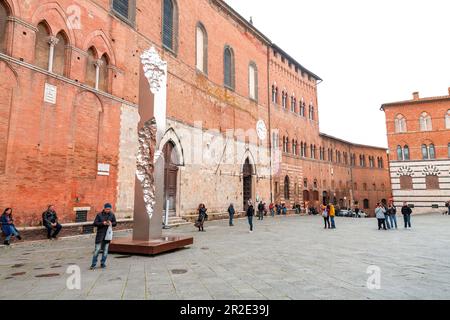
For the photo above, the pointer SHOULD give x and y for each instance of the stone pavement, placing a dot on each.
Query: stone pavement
(285, 258)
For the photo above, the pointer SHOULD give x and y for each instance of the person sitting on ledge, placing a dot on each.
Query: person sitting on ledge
(50, 222)
(8, 227)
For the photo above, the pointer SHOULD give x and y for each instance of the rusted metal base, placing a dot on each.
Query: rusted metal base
(152, 247)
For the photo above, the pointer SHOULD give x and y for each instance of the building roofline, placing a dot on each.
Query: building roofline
(351, 143)
(284, 53)
(262, 36)
(418, 101)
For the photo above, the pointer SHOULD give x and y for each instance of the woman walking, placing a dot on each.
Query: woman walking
(201, 217)
(326, 216)
(380, 214)
(8, 227)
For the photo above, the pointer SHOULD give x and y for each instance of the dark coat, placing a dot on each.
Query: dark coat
(250, 211)
(49, 217)
(101, 228)
(231, 210)
(406, 210)
(202, 215)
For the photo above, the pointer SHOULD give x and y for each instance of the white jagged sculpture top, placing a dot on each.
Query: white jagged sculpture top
(154, 68)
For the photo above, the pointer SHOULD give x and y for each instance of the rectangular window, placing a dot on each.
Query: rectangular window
(253, 82)
(124, 8)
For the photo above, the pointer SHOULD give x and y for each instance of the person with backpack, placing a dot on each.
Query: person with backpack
(406, 212)
(250, 214)
(231, 213)
(104, 221)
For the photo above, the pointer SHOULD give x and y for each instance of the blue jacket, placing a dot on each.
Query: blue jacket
(6, 227)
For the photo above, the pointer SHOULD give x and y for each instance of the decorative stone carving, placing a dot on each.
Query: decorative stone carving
(405, 171)
(154, 68)
(431, 170)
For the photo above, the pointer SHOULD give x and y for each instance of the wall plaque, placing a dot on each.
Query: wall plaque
(50, 93)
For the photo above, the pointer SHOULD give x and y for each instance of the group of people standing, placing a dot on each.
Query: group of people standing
(328, 214)
(387, 216)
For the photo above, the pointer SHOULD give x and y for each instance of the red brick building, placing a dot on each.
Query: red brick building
(70, 74)
(419, 143)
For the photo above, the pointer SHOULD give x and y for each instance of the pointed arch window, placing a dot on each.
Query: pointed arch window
(405, 153)
(432, 151)
(169, 32)
(286, 188)
(425, 152)
(399, 153)
(60, 53)
(4, 13)
(400, 124)
(425, 122)
(102, 80)
(42, 47)
(228, 66)
(90, 78)
(202, 49)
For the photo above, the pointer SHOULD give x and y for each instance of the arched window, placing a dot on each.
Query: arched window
(425, 155)
(228, 68)
(169, 34)
(202, 49)
(4, 13)
(432, 182)
(253, 81)
(274, 94)
(447, 120)
(302, 108)
(91, 67)
(311, 112)
(406, 152)
(432, 151)
(103, 80)
(42, 47)
(293, 104)
(366, 204)
(425, 122)
(400, 124)
(59, 63)
(286, 188)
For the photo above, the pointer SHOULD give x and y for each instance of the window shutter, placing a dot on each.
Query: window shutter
(227, 67)
(122, 7)
(168, 24)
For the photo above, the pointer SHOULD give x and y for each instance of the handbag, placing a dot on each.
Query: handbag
(109, 234)
(325, 214)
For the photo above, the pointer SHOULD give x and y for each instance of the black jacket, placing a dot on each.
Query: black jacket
(231, 210)
(406, 210)
(49, 217)
(250, 211)
(101, 228)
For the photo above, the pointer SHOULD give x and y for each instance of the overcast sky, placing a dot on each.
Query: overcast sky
(367, 52)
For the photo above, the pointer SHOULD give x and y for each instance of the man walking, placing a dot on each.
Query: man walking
(406, 212)
(250, 214)
(231, 213)
(104, 222)
(50, 222)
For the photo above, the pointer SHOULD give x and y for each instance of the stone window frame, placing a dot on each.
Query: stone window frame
(201, 27)
(400, 123)
(425, 122)
(131, 18)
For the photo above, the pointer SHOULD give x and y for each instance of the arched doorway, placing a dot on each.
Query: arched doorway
(170, 177)
(247, 174)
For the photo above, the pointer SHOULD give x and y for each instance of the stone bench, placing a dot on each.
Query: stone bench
(68, 230)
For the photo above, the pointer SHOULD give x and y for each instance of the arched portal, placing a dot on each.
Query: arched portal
(170, 177)
(247, 175)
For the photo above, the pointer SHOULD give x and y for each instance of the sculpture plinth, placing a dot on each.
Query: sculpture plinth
(147, 236)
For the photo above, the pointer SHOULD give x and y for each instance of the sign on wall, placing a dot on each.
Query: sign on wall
(50, 93)
(103, 169)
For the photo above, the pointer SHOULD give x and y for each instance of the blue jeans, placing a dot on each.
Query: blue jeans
(386, 218)
(250, 222)
(407, 219)
(333, 225)
(231, 219)
(13, 232)
(98, 246)
(393, 220)
(272, 212)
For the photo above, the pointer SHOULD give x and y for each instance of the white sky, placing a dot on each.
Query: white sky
(367, 52)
